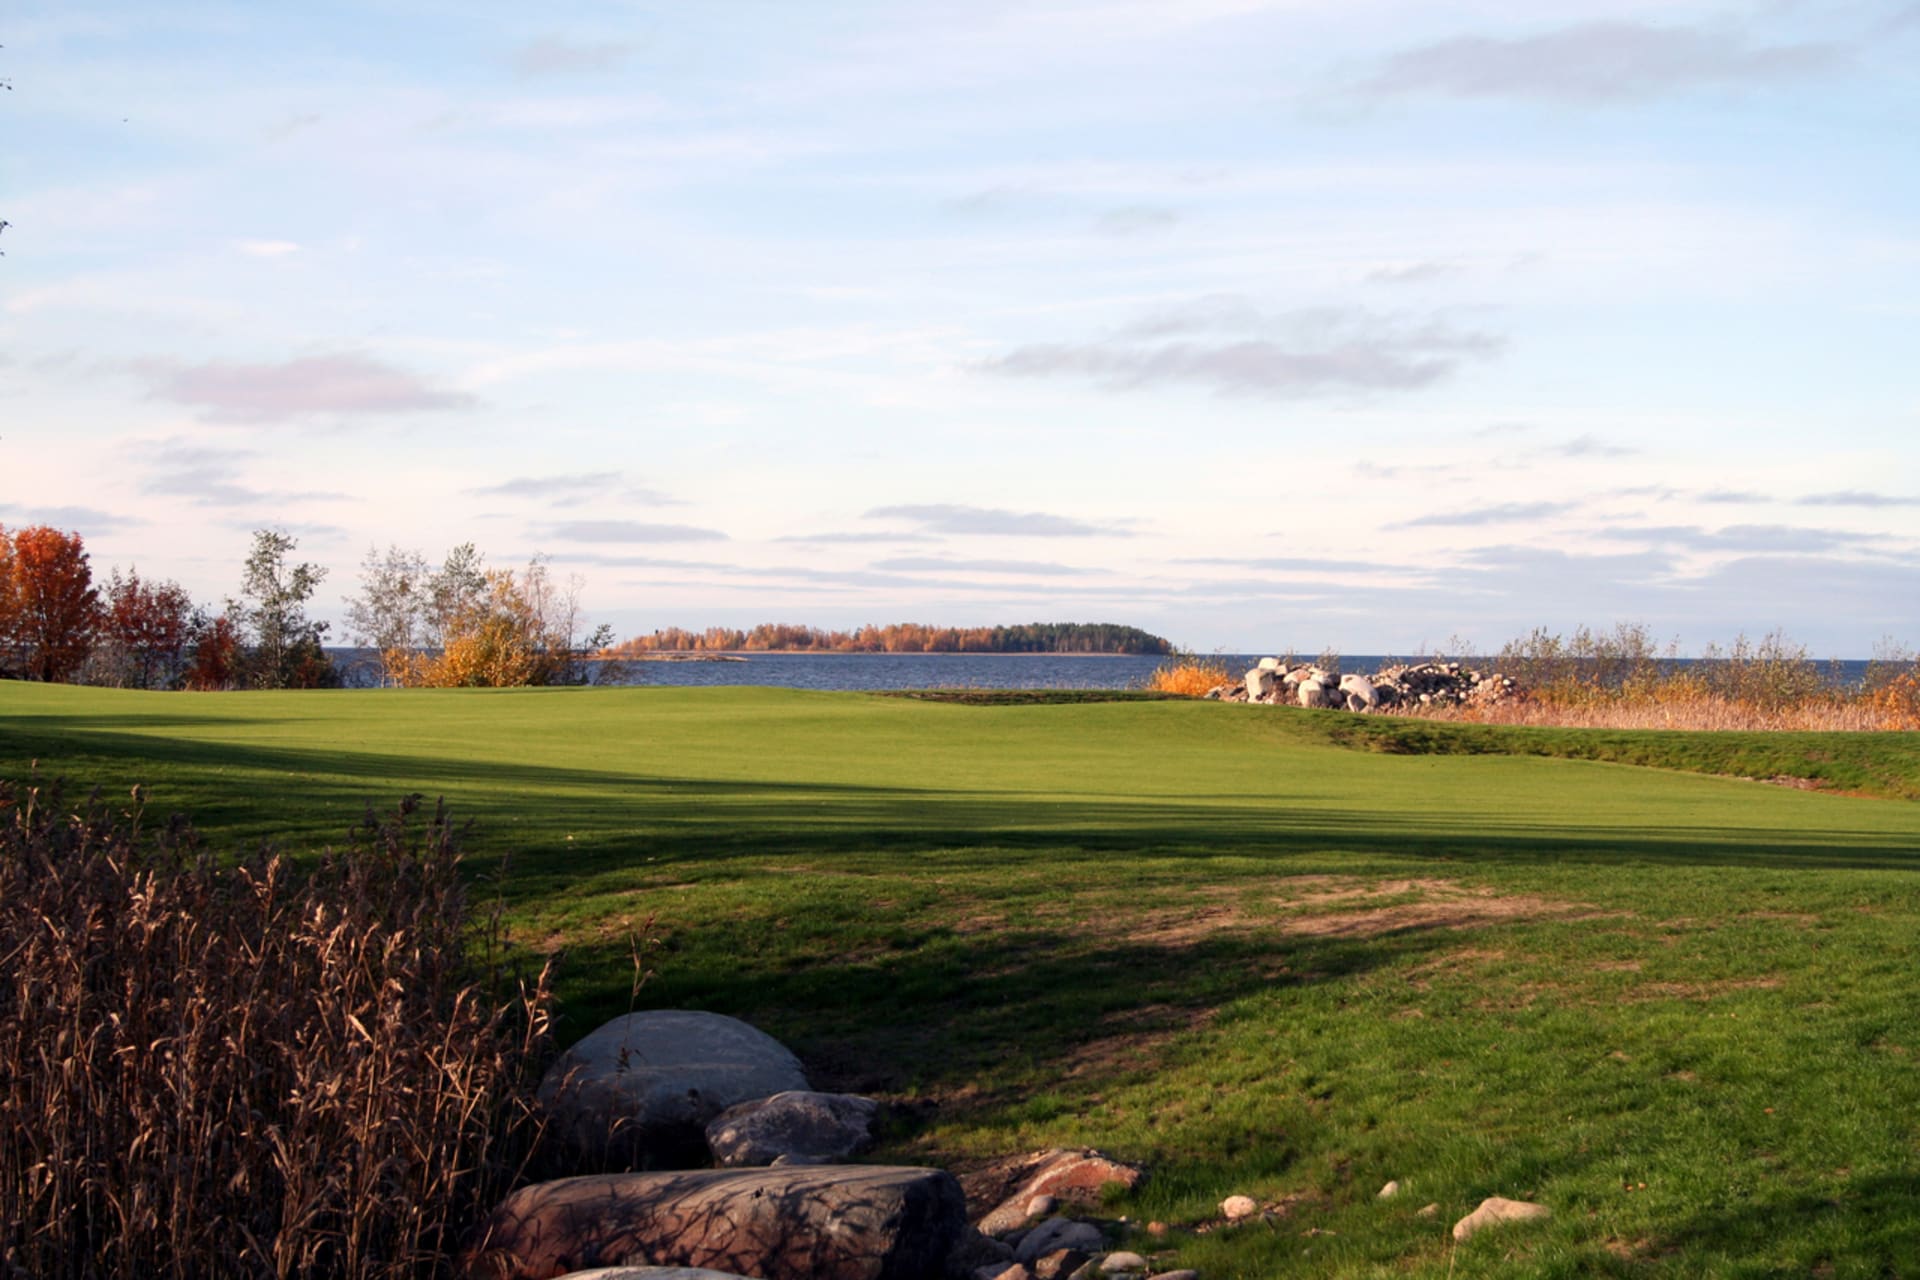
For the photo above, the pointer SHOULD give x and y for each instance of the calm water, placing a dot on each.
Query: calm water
(920, 670)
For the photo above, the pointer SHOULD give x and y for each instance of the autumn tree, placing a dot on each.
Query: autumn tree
(9, 606)
(214, 662)
(55, 609)
(284, 648)
(146, 631)
(514, 629)
(404, 608)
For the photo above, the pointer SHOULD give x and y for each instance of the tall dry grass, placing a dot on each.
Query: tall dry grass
(1189, 676)
(1649, 712)
(237, 1070)
(1622, 680)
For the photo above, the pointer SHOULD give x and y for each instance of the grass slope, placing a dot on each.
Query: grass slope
(1211, 938)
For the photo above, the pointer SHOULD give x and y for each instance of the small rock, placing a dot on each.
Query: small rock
(1495, 1210)
(1055, 1235)
(973, 1251)
(1121, 1260)
(1059, 1264)
(1234, 1208)
(1184, 1273)
(1041, 1206)
(1428, 1211)
(1157, 1229)
(1389, 1191)
(797, 1124)
(1079, 1176)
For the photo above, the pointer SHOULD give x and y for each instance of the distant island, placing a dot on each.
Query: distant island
(900, 637)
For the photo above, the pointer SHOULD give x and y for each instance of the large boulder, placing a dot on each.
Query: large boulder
(639, 1092)
(1359, 693)
(822, 1222)
(796, 1124)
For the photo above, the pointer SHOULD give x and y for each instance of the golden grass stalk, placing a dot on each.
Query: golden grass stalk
(217, 1070)
(1188, 675)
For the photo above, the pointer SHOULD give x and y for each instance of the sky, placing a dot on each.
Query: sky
(1261, 324)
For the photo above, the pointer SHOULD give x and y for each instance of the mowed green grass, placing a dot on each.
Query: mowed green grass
(1212, 939)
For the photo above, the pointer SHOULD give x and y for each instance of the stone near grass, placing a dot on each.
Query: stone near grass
(1122, 1260)
(638, 1092)
(839, 1222)
(1259, 683)
(1236, 1208)
(1002, 1271)
(1081, 1176)
(1495, 1210)
(797, 1125)
(654, 1273)
(1059, 1264)
(1059, 1174)
(1184, 1273)
(1389, 1191)
(1428, 1211)
(1056, 1234)
(974, 1251)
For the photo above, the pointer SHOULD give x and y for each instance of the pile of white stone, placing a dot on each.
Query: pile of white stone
(1278, 682)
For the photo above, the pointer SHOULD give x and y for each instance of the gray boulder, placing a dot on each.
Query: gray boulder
(793, 1127)
(837, 1222)
(639, 1092)
(1056, 1234)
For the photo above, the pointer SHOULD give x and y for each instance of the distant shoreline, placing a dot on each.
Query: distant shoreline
(743, 655)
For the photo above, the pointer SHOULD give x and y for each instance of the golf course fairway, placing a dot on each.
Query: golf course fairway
(1264, 951)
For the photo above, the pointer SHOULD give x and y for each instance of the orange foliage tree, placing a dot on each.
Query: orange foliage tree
(146, 628)
(55, 609)
(518, 629)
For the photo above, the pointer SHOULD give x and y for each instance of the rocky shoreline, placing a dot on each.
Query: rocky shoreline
(1279, 682)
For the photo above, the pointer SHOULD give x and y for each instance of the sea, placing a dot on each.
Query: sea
(878, 671)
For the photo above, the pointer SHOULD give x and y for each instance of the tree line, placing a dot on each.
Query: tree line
(904, 637)
(460, 623)
(58, 625)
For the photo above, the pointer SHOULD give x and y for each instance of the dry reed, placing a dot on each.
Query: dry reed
(237, 1070)
(1189, 676)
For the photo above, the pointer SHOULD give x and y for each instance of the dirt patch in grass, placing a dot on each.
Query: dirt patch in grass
(1183, 928)
(1430, 904)
(1700, 991)
(1340, 907)
(1137, 1042)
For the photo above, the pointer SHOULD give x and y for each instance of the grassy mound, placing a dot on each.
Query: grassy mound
(1220, 940)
